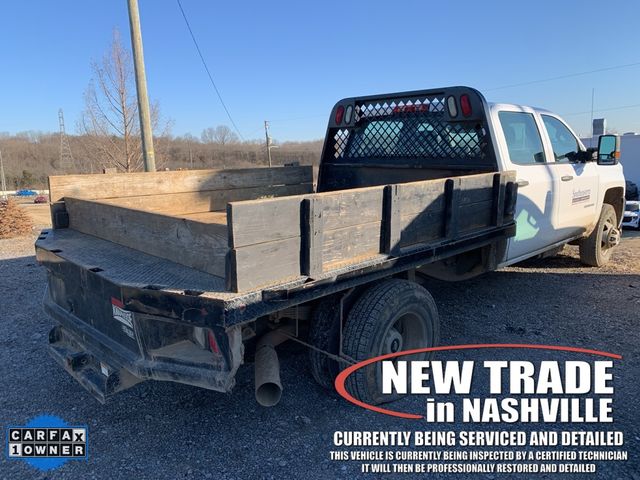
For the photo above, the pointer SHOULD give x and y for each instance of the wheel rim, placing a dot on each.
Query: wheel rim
(610, 236)
(405, 333)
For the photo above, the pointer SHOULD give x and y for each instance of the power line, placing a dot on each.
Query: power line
(292, 119)
(531, 82)
(560, 77)
(602, 110)
(204, 63)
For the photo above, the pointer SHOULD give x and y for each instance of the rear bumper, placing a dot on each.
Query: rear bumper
(105, 367)
(98, 376)
(632, 222)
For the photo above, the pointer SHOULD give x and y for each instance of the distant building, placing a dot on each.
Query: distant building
(599, 126)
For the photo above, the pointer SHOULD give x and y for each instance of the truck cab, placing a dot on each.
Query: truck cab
(561, 188)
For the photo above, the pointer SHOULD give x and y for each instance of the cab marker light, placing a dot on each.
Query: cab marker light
(451, 105)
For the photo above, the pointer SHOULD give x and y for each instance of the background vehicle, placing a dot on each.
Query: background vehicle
(173, 275)
(631, 215)
(631, 191)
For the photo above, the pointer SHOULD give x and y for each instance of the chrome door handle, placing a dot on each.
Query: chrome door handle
(566, 178)
(522, 183)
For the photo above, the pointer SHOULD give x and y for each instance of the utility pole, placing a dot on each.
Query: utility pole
(141, 87)
(3, 180)
(266, 133)
(593, 94)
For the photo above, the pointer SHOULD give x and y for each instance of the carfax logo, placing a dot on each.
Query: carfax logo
(47, 442)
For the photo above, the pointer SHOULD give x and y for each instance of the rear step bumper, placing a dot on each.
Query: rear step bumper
(104, 367)
(99, 378)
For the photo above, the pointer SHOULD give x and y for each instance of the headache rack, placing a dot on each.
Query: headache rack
(424, 132)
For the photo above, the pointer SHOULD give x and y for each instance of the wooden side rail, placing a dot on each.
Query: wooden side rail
(275, 240)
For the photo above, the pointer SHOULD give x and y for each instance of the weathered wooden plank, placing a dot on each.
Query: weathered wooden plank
(351, 244)
(205, 201)
(253, 266)
(312, 237)
(264, 264)
(416, 196)
(351, 207)
(219, 218)
(154, 183)
(194, 244)
(422, 228)
(475, 188)
(475, 216)
(274, 219)
(262, 221)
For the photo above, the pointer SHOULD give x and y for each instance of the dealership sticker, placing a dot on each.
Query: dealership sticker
(120, 314)
(123, 316)
(47, 442)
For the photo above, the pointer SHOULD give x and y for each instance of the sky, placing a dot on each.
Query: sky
(289, 62)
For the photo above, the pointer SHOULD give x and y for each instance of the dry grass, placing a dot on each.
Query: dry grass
(14, 221)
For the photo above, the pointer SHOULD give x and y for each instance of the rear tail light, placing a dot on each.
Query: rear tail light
(339, 114)
(465, 105)
(212, 343)
(452, 107)
(205, 339)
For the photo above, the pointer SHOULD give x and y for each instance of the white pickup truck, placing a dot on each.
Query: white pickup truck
(566, 193)
(176, 275)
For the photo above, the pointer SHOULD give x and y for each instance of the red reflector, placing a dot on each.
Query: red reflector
(213, 344)
(339, 114)
(465, 105)
(117, 302)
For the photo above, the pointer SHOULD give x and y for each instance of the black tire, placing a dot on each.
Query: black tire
(324, 334)
(389, 312)
(595, 250)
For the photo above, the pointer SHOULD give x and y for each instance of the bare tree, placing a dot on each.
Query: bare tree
(222, 135)
(110, 123)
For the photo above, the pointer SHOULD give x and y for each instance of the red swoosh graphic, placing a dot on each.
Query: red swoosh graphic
(342, 377)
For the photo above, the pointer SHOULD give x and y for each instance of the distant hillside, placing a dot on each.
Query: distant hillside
(32, 156)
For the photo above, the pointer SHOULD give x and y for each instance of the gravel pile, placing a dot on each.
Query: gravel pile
(14, 221)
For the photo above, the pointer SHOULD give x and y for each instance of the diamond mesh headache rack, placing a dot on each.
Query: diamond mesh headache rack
(415, 128)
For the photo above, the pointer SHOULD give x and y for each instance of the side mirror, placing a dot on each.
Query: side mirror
(608, 149)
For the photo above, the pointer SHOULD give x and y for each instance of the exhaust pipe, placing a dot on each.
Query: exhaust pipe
(267, 367)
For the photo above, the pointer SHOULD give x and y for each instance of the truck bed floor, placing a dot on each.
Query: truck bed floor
(124, 265)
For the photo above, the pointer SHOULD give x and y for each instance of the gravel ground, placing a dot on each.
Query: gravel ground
(165, 430)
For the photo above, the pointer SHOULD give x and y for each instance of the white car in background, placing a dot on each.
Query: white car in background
(631, 217)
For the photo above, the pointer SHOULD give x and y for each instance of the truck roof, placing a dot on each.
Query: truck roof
(501, 106)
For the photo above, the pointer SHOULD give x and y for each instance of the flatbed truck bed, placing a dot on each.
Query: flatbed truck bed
(172, 275)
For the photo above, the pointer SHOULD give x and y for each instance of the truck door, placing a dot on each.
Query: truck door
(577, 182)
(535, 207)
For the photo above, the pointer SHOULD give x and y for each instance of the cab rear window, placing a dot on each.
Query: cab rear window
(523, 138)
